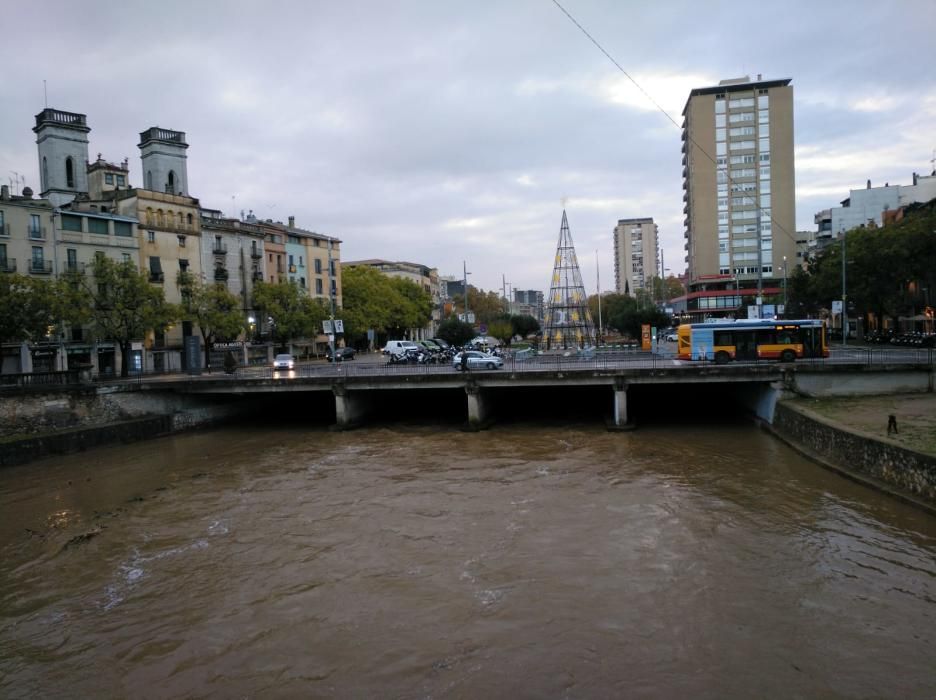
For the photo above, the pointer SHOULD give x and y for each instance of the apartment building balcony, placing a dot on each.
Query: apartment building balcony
(36, 233)
(221, 274)
(292, 268)
(159, 277)
(74, 267)
(219, 248)
(7, 265)
(40, 267)
(256, 254)
(5, 230)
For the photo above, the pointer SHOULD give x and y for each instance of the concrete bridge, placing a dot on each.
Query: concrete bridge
(356, 391)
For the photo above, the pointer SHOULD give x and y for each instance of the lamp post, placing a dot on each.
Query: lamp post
(844, 295)
(465, 274)
(784, 286)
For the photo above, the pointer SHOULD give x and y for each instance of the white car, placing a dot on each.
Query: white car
(671, 337)
(284, 362)
(478, 360)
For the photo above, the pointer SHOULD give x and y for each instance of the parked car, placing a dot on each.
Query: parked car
(671, 336)
(284, 362)
(399, 347)
(341, 354)
(478, 360)
(441, 343)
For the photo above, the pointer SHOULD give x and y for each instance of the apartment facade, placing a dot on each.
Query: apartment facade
(636, 255)
(738, 193)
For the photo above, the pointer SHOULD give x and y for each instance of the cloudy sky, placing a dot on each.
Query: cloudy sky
(442, 131)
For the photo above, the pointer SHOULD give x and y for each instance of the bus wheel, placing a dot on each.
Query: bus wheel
(722, 357)
(787, 356)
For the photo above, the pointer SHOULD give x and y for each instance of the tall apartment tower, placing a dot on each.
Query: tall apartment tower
(62, 138)
(164, 161)
(636, 255)
(738, 187)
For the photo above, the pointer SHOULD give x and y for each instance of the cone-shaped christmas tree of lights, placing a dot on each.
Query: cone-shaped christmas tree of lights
(568, 322)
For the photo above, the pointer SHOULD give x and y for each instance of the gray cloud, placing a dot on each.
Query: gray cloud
(442, 132)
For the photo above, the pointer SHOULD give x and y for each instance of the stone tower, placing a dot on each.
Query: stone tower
(162, 152)
(62, 138)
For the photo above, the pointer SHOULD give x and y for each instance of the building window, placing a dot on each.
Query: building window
(98, 226)
(763, 117)
(35, 226)
(762, 100)
(719, 120)
(318, 266)
(302, 282)
(121, 181)
(720, 134)
(740, 117)
(740, 145)
(151, 236)
(741, 102)
(181, 241)
(123, 228)
(108, 178)
(720, 148)
(125, 257)
(331, 270)
(71, 223)
(318, 286)
(742, 131)
(189, 219)
(720, 104)
(38, 259)
(763, 145)
(69, 172)
(334, 287)
(183, 265)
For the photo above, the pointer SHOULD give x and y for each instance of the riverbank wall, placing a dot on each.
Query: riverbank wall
(879, 463)
(36, 423)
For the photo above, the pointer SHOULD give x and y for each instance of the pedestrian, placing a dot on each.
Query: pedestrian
(464, 361)
(892, 424)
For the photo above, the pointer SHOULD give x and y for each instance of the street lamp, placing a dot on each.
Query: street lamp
(784, 286)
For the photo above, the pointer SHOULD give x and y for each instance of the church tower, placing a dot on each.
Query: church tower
(163, 154)
(62, 138)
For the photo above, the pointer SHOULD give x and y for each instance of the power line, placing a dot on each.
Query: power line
(667, 115)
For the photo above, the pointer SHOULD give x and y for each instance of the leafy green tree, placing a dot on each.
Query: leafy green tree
(125, 305)
(390, 305)
(364, 305)
(501, 329)
(292, 313)
(486, 306)
(410, 305)
(214, 309)
(455, 332)
(29, 309)
(524, 325)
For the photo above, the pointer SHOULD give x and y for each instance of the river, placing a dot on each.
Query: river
(527, 561)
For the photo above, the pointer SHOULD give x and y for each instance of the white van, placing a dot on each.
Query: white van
(398, 347)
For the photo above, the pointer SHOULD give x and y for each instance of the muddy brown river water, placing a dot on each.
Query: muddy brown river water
(422, 562)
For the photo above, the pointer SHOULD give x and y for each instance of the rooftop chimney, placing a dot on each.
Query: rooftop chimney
(292, 222)
(4, 192)
(869, 183)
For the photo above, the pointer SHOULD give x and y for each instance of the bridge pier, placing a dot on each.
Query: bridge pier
(478, 407)
(619, 419)
(350, 407)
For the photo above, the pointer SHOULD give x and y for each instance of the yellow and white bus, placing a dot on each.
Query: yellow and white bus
(752, 339)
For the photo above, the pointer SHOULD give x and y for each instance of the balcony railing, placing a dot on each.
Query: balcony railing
(173, 227)
(256, 254)
(36, 233)
(74, 267)
(4, 229)
(40, 267)
(157, 276)
(220, 274)
(219, 248)
(7, 264)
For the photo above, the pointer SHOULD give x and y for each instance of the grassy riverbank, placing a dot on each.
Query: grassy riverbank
(915, 413)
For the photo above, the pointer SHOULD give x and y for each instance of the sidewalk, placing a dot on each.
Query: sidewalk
(915, 413)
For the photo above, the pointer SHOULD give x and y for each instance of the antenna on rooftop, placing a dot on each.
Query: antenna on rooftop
(45, 92)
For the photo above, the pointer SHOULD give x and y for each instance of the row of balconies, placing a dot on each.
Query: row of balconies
(36, 267)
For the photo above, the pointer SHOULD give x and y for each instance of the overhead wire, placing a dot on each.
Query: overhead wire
(666, 114)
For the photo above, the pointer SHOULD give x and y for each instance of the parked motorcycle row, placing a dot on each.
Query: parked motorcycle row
(914, 339)
(428, 353)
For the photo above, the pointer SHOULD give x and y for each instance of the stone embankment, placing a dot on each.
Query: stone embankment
(850, 436)
(35, 423)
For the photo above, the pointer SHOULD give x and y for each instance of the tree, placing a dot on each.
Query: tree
(387, 304)
(456, 332)
(524, 325)
(486, 306)
(124, 305)
(291, 312)
(501, 329)
(214, 309)
(30, 309)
